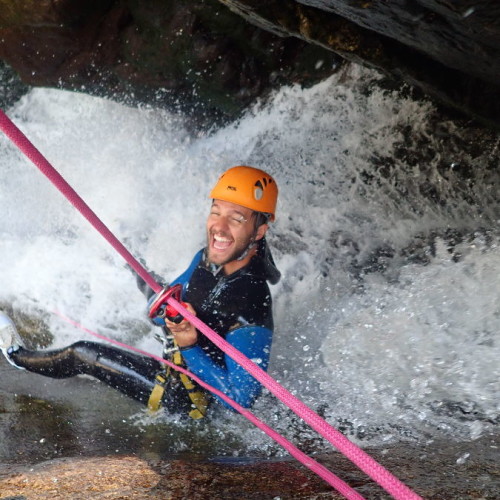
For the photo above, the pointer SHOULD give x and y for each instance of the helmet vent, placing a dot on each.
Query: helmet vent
(258, 191)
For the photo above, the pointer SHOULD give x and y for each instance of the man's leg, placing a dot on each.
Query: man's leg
(129, 373)
(139, 377)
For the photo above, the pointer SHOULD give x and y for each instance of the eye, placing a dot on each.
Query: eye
(238, 220)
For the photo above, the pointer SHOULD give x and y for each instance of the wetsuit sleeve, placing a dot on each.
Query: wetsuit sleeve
(233, 380)
(184, 278)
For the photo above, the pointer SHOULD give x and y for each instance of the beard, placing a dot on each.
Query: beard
(238, 251)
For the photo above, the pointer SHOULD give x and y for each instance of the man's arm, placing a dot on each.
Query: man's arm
(255, 343)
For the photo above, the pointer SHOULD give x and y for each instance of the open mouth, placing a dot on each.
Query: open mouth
(221, 242)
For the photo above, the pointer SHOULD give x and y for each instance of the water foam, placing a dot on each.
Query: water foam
(378, 330)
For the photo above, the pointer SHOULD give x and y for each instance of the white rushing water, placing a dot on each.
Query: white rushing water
(383, 321)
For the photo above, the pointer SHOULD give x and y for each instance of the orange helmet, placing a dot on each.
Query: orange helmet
(249, 187)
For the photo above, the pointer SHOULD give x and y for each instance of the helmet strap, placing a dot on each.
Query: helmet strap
(247, 249)
(260, 218)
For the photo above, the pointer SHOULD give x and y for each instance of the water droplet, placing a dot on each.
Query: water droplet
(463, 458)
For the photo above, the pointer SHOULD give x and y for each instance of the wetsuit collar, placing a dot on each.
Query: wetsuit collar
(261, 264)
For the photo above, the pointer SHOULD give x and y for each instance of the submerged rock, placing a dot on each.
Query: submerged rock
(100, 477)
(438, 471)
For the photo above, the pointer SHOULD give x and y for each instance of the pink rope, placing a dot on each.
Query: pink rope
(309, 462)
(23, 143)
(366, 463)
(359, 457)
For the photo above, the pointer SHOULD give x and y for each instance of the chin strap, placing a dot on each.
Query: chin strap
(247, 249)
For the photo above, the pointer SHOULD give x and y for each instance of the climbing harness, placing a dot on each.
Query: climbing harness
(159, 310)
(359, 457)
(198, 398)
(154, 402)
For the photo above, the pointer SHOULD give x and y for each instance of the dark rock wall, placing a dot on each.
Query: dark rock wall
(192, 55)
(450, 50)
(203, 56)
(447, 31)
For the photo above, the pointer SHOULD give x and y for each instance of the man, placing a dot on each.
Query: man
(225, 286)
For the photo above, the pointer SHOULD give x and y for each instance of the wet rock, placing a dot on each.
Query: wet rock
(32, 326)
(182, 480)
(100, 477)
(11, 86)
(435, 471)
(450, 50)
(197, 56)
(204, 58)
(132, 477)
(76, 439)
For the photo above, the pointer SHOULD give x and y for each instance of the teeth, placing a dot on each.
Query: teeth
(221, 239)
(221, 242)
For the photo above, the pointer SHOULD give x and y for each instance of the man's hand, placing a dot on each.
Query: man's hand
(184, 333)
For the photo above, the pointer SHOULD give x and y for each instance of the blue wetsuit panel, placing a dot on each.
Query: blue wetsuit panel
(186, 275)
(233, 380)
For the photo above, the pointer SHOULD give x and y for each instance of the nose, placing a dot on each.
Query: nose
(220, 224)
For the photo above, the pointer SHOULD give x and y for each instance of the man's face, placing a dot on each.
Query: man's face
(230, 230)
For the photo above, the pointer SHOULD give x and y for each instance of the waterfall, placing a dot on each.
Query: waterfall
(387, 236)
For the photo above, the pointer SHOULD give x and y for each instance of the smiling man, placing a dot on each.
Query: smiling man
(242, 195)
(225, 286)
(230, 237)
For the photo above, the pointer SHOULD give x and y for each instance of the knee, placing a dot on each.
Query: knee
(85, 351)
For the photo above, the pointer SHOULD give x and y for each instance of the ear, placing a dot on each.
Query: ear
(261, 231)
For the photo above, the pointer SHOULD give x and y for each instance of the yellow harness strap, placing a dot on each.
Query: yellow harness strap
(198, 398)
(154, 401)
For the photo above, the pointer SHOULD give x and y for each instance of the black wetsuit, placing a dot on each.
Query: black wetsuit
(238, 307)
